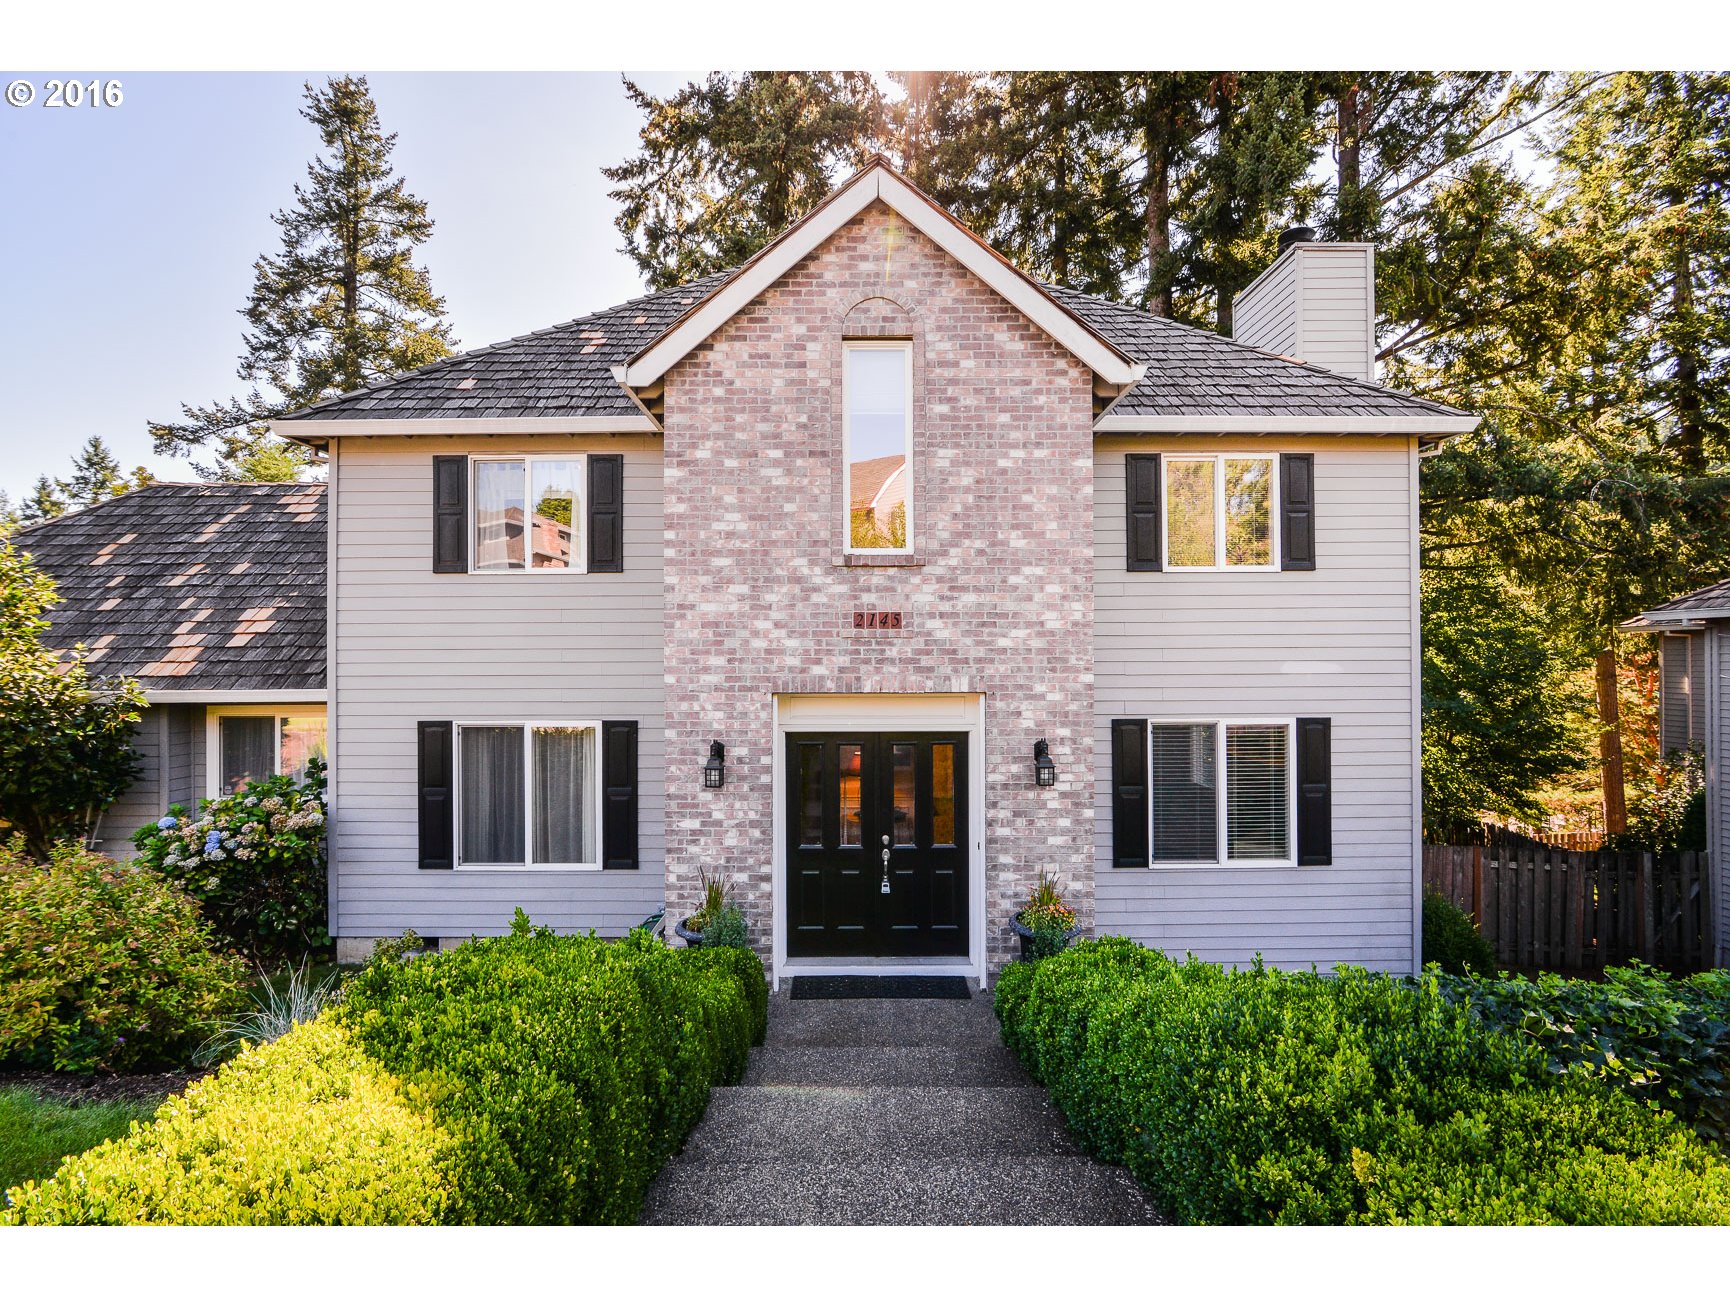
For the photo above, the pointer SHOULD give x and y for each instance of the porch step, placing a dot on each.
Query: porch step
(884, 1065)
(858, 1123)
(978, 1190)
(884, 1022)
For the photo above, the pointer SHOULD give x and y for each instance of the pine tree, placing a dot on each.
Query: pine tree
(96, 476)
(43, 502)
(342, 304)
(728, 163)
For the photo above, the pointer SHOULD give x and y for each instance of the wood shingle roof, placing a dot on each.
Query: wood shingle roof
(193, 586)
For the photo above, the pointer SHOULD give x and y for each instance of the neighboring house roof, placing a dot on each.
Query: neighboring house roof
(868, 477)
(193, 587)
(1709, 603)
(579, 369)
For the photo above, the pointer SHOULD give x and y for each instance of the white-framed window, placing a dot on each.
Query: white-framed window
(248, 742)
(1220, 512)
(528, 795)
(1198, 817)
(877, 442)
(526, 513)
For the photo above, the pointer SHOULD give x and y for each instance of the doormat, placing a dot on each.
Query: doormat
(880, 988)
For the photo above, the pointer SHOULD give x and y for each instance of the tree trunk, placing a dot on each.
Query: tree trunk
(1350, 227)
(1222, 313)
(1690, 436)
(1159, 138)
(1610, 744)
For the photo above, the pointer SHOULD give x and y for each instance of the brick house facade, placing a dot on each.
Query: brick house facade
(760, 590)
(505, 737)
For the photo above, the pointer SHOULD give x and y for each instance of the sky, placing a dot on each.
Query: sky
(128, 234)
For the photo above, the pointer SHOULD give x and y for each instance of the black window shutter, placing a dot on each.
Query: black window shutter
(450, 513)
(606, 513)
(436, 803)
(1141, 512)
(1129, 793)
(1315, 788)
(1297, 508)
(619, 809)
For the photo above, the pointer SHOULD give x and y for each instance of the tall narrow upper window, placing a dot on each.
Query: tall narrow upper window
(528, 514)
(878, 431)
(1219, 511)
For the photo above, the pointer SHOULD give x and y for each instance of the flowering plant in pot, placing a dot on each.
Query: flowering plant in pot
(717, 898)
(1045, 924)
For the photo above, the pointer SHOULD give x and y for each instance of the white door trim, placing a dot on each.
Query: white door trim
(953, 713)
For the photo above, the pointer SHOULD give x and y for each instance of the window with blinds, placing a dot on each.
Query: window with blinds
(1198, 818)
(1257, 805)
(1184, 790)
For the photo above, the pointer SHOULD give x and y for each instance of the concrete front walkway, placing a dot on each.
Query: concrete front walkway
(887, 1112)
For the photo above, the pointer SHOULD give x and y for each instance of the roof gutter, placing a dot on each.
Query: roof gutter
(159, 696)
(1389, 425)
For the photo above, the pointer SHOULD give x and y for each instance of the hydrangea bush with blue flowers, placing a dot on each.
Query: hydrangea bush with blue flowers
(255, 861)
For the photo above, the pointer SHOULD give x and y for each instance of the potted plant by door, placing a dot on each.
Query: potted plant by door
(1045, 924)
(717, 893)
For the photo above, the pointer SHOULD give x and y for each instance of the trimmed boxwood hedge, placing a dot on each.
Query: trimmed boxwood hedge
(529, 1079)
(1266, 1097)
(305, 1131)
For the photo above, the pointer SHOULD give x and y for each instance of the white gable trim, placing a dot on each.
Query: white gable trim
(876, 182)
(1403, 425)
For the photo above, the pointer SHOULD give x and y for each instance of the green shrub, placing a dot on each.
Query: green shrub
(567, 1070)
(747, 970)
(305, 1131)
(1452, 939)
(1663, 1040)
(1259, 1097)
(255, 859)
(104, 966)
(727, 929)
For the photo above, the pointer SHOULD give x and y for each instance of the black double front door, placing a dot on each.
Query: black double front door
(876, 844)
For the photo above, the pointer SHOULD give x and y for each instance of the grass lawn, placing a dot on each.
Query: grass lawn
(35, 1133)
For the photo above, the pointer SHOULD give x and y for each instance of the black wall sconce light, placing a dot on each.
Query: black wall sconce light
(715, 768)
(1044, 772)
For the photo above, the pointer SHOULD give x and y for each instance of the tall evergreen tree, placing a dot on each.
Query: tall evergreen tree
(43, 502)
(729, 162)
(96, 476)
(342, 304)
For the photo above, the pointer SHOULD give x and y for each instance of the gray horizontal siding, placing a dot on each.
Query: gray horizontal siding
(1267, 317)
(411, 645)
(1717, 668)
(1335, 642)
(169, 744)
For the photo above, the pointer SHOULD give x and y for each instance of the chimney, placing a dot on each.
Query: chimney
(1316, 303)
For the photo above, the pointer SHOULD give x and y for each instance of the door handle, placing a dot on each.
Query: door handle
(885, 888)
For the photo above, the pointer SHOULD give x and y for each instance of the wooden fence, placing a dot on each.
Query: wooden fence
(1576, 911)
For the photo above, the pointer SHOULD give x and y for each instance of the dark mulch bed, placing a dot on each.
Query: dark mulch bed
(75, 1089)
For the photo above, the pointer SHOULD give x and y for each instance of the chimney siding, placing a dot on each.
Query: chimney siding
(1316, 304)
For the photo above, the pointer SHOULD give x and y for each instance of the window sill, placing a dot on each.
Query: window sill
(851, 558)
(1172, 866)
(527, 869)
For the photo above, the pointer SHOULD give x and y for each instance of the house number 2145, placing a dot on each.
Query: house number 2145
(876, 621)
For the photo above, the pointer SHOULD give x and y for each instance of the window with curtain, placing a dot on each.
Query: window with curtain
(527, 795)
(248, 750)
(257, 745)
(1198, 818)
(528, 514)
